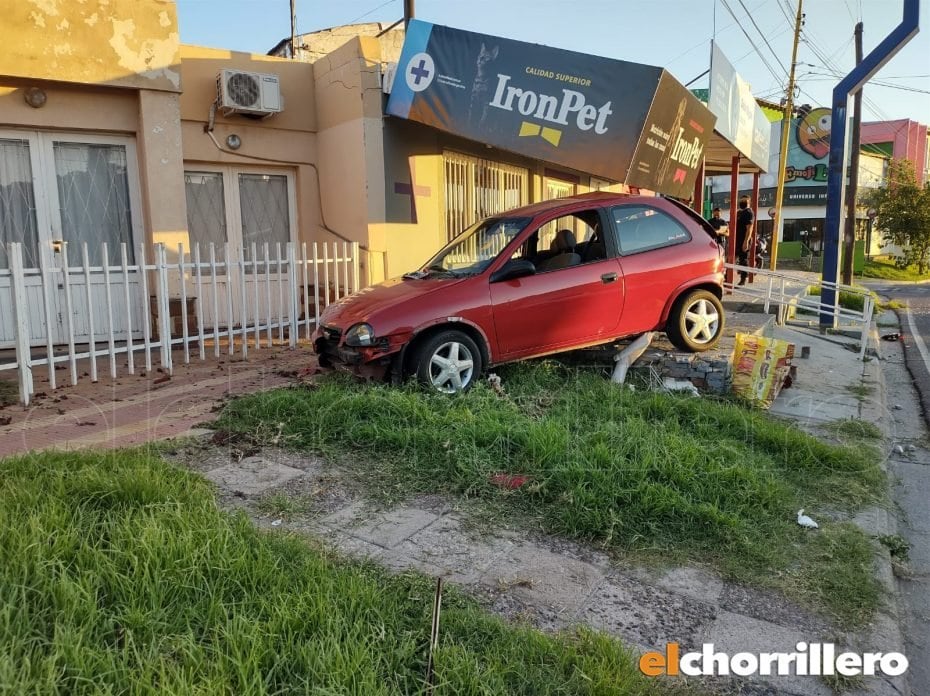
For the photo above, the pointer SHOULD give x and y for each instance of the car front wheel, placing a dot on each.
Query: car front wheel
(449, 362)
(696, 321)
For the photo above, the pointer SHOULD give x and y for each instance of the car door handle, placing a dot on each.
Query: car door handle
(608, 278)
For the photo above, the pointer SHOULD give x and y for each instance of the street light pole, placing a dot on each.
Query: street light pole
(778, 222)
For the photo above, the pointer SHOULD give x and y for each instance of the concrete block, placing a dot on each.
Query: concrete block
(537, 576)
(445, 549)
(696, 583)
(733, 633)
(252, 475)
(386, 529)
(642, 613)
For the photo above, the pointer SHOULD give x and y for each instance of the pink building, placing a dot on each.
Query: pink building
(902, 139)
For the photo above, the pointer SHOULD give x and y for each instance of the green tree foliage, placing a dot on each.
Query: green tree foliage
(903, 214)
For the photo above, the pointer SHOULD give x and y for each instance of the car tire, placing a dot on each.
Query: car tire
(696, 321)
(449, 362)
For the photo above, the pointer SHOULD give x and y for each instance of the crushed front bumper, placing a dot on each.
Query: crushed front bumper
(369, 362)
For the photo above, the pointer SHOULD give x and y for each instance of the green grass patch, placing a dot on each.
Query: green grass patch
(855, 428)
(281, 505)
(119, 574)
(672, 476)
(860, 391)
(884, 267)
(848, 300)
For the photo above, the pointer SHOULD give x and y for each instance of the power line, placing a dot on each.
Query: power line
(831, 66)
(822, 77)
(849, 10)
(371, 11)
(762, 34)
(751, 42)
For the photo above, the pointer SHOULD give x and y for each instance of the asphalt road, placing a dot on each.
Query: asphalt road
(915, 327)
(911, 472)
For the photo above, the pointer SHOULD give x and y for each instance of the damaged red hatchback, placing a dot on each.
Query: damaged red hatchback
(550, 277)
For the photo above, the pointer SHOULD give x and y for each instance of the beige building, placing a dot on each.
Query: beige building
(115, 132)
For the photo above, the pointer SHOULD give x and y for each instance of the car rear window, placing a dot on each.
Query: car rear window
(644, 228)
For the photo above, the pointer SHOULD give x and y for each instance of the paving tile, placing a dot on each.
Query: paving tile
(353, 546)
(733, 633)
(644, 614)
(812, 406)
(445, 549)
(386, 528)
(538, 576)
(252, 475)
(697, 583)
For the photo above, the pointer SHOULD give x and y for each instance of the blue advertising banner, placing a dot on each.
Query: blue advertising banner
(623, 121)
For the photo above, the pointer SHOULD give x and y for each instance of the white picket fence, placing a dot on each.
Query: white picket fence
(219, 300)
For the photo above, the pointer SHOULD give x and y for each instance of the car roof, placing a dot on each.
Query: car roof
(597, 197)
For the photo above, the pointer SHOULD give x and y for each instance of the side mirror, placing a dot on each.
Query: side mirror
(515, 268)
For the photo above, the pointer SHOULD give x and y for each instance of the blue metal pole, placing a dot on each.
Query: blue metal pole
(850, 84)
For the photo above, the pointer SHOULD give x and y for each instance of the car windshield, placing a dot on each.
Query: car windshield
(473, 251)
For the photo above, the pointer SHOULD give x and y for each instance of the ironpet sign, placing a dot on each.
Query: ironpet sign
(623, 121)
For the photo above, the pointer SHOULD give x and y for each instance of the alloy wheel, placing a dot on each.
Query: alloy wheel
(702, 321)
(451, 367)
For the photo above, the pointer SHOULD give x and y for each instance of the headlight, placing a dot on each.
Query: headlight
(360, 335)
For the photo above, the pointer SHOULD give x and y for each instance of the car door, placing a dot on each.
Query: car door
(561, 305)
(656, 258)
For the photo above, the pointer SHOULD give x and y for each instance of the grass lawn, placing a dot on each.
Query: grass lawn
(848, 300)
(884, 267)
(118, 574)
(665, 476)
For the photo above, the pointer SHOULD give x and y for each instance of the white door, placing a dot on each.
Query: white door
(240, 207)
(79, 189)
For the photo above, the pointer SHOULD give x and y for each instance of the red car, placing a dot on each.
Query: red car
(550, 277)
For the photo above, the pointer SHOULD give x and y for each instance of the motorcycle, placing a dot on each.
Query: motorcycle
(762, 252)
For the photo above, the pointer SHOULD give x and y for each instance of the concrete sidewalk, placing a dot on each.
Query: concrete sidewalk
(135, 409)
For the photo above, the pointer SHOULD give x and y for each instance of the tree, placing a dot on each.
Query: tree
(902, 209)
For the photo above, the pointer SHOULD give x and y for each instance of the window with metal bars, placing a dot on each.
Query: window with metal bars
(476, 188)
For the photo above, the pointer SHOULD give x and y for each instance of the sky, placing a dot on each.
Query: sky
(756, 36)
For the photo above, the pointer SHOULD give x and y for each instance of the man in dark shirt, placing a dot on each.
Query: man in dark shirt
(720, 227)
(745, 236)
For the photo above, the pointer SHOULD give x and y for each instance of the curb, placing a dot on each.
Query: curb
(885, 629)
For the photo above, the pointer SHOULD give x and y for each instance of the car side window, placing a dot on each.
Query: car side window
(569, 240)
(644, 228)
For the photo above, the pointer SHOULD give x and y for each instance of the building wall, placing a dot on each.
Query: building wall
(120, 43)
(112, 68)
(909, 141)
(348, 93)
(414, 226)
(282, 143)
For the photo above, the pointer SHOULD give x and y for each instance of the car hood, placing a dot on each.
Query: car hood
(370, 301)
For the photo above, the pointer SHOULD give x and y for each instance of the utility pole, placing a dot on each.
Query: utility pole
(409, 12)
(294, 29)
(778, 222)
(850, 246)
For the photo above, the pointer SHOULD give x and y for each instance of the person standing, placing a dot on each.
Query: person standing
(745, 235)
(720, 227)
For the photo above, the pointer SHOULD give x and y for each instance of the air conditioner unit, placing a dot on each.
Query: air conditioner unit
(249, 93)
